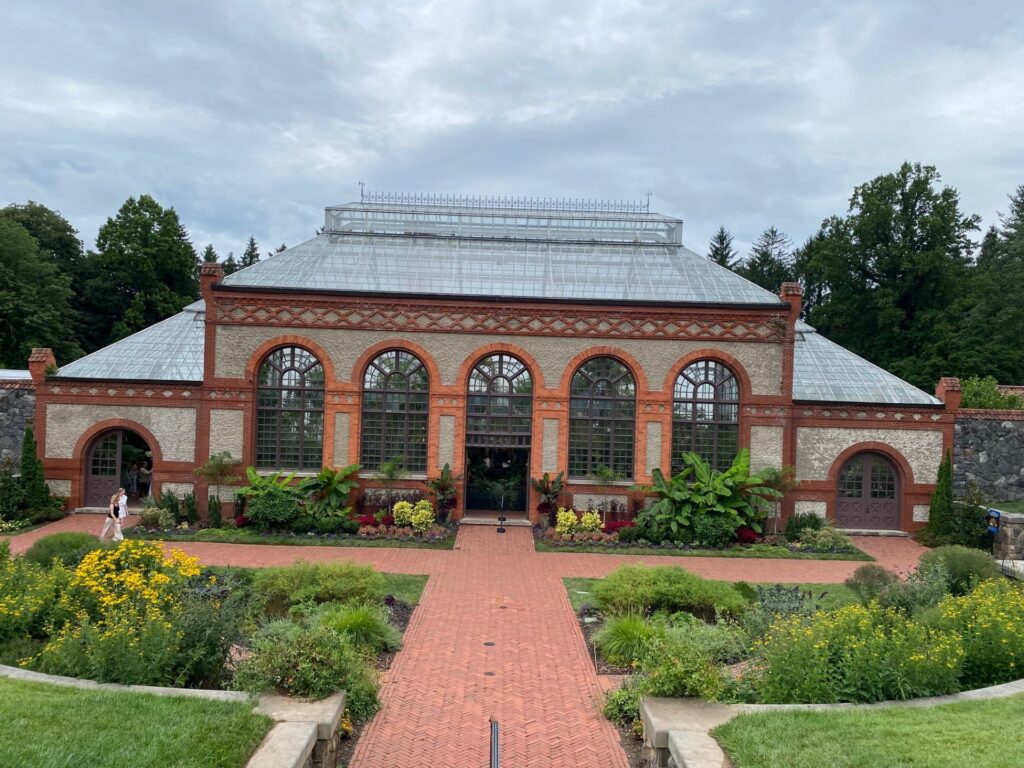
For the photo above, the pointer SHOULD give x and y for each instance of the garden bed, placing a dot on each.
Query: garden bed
(947, 736)
(758, 551)
(234, 535)
(43, 725)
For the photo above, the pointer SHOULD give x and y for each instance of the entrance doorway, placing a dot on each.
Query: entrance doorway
(867, 494)
(499, 427)
(109, 465)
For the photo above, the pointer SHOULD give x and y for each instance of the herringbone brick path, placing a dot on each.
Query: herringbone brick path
(494, 634)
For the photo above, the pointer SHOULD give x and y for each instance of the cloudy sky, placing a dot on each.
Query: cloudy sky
(251, 116)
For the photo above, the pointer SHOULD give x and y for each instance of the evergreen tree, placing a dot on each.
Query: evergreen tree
(770, 263)
(230, 264)
(721, 251)
(896, 272)
(251, 255)
(280, 249)
(35, 300)
(145, 270)
(209, 255)
(10, 492)
(34, 493)
(940, 511)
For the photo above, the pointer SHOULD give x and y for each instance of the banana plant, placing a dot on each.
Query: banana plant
(328, 491)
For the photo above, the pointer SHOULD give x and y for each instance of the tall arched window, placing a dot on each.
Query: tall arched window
(500, 403)
(290, 411)
(706, 414)
(602, 418)
(396, 394)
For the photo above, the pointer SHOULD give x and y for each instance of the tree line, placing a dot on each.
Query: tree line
(899, 280)
(55, 293)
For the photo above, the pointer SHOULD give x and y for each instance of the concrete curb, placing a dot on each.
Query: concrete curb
(677, 731)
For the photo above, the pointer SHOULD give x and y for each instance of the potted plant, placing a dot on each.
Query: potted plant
(549, 489)
(443, 488)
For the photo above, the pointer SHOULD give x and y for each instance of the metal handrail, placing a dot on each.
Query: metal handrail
(495, 752)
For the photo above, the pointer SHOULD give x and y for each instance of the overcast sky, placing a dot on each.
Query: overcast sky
(250, 116)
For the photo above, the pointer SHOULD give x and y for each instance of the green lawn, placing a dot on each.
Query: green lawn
(405, 586)
(758, 552)
(250, 536)
(951, 736)
(826, 596)
(49, 726)
(1009, 506)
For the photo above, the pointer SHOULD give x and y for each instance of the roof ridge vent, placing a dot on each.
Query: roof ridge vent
(506, 203)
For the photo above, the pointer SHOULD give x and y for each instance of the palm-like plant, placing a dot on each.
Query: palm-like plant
(549, 489)
(220, 469)
(443, 487)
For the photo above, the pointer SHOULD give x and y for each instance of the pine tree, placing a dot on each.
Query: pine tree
(940, 511)
(230, 264)
(770, 263)
(209, 255)
(721, 251)
(251, 255)
(10, 492)
(280, 249)
(34, 493)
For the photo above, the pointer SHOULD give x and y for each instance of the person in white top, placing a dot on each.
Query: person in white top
(122, 506)
(114, 516)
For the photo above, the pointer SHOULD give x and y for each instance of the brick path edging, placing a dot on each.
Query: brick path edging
(304, 734)
(682, 727)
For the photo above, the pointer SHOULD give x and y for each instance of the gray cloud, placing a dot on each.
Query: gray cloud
(250, 117)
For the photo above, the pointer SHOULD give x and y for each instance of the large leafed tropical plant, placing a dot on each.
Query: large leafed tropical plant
(327, 492)
(699, 490)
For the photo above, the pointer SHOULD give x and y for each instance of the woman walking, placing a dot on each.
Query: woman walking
(114, 516)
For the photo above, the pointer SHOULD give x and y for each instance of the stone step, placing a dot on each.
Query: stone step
(873, 532)
(512, 521)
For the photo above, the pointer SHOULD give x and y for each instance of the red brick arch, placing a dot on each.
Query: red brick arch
(81, 451)
(742, 377)
(873, 446)
(639, 374)
(289, 340)
(536, 373)
(398, 343)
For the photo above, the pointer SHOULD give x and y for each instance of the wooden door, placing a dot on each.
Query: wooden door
(103, 472)
(867, 495)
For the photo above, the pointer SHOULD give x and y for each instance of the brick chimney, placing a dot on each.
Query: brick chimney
(793, 294)
(40, 359)
(949, 392)
(209, 275)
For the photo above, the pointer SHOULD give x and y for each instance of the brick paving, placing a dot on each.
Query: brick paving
(494, 634)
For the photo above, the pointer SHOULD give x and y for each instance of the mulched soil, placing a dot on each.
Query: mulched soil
(589, 629)
(400, 614)
(631, 745)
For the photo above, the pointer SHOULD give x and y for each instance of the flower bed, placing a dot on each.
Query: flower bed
(442, 537)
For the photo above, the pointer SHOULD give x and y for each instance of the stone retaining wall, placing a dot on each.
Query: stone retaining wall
(989, 450)
(17, 408)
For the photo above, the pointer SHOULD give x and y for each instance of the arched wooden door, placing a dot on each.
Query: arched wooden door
(103, 469)
(867, 494)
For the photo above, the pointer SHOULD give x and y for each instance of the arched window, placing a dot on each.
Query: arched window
(396, 394)
(290, 411)
(500, 403)
(706, 414)
(602, 418)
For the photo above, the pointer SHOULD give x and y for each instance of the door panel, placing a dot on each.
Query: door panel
(867, 494)
(104, 469)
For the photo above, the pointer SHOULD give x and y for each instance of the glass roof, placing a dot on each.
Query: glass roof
(824, 371)
(171, 350)
(513, 254)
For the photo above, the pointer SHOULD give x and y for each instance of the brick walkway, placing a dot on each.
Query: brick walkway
(495, 635)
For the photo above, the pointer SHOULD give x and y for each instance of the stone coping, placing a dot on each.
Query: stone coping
(683, 726)
(299, 726)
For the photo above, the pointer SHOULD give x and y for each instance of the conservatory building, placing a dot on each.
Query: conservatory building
(506, 339)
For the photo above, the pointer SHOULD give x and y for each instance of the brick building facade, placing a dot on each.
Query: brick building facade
(501, 312)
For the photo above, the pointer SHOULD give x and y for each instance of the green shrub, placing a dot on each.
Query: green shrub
(366, 626)
(825, 539)
(966, 567)
(156, 517)
(869, 580)
(635, 533)
(676, 667)
(990, 620)
(402, 513)
(798, 522)
(276, 508)
(923, 589)
(641, 590)
(423, 517)
(940, 509)
(171, 503)
(10, 492)
(856, 654)
(34, 492)
(622, 639)
(622, 705)
(213, 512)
(985, 393)
(67, 548)
(281, 588)
(29, 594)
(311, 662)
(189, 508)
(711, 532)
(772, 601)
(725, 642)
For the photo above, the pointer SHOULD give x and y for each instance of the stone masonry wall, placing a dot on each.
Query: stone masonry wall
(989, 450)
(17, 407)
